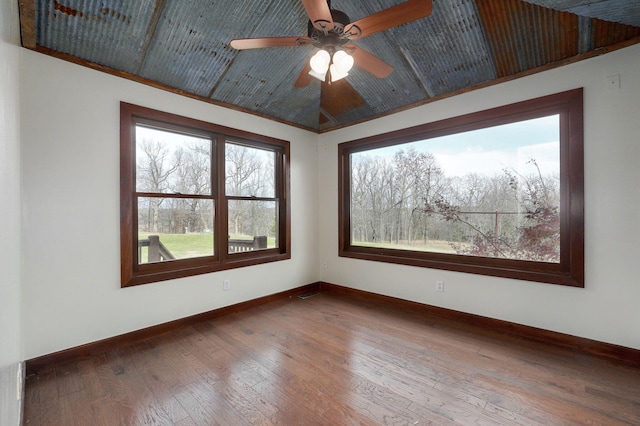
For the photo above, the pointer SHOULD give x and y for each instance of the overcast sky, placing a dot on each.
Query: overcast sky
(489, 151)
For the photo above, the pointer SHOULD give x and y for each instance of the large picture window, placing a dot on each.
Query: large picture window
(498, 192)
(198, 198)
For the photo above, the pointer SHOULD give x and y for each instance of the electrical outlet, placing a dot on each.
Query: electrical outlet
(226, 285)
(439, 285)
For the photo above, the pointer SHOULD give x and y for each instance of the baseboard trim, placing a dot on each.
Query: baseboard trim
(593, 347)
(34, 365)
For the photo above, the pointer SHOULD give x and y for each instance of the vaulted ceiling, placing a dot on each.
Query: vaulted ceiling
(183, 46)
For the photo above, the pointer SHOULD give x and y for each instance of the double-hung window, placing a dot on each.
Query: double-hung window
(198, 197)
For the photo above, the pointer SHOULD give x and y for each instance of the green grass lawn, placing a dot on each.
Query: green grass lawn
(435, 246)
(184, 246)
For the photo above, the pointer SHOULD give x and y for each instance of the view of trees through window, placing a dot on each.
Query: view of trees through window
(173, 172)
(174, 169)
(492, 192)
(198, 197)
(250, 189)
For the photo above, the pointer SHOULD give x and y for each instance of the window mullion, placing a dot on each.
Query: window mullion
(279, 191)
(222, 212)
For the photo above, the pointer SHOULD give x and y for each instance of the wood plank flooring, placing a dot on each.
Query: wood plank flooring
(334, 360)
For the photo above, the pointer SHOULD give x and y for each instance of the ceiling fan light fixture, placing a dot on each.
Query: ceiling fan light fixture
(338, 64)
(319, 76)
(341, 64)
(336, 73)
(343, 61)
(320, 62)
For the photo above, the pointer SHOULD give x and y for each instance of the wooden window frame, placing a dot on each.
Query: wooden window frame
(132, 272)
(569, 271)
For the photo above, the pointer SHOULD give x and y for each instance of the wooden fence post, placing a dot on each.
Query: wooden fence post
(260, 242)
(153, 252)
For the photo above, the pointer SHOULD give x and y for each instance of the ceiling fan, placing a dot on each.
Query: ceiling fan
(331, 31)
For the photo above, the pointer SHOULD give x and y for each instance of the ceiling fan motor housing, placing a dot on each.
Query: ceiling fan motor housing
(333, 37)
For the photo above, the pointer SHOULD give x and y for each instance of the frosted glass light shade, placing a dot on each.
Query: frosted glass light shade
(319, 76)
(337, 73)
(320, 62)
(339, 65)
(343, 60)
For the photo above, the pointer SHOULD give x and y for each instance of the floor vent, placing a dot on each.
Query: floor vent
(308, 295)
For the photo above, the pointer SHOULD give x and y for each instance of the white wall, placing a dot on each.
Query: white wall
(71, 293)
(10, 353)
(71, 275)
(608, 308)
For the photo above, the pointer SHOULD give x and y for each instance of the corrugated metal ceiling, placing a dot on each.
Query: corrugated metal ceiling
(183, 46)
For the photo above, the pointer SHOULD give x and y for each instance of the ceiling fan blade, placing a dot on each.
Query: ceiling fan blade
(319, 14)
(369, 62)
(410, 10)
(304, 78)
(338, 97)
(259, 43)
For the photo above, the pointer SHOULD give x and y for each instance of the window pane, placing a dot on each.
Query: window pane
(252, 225)
(493, 192)
(172, 178)
(174, 228)
(250, 171)
(170, 162)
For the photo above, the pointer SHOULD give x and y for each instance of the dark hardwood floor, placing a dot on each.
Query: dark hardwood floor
(334, 360)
